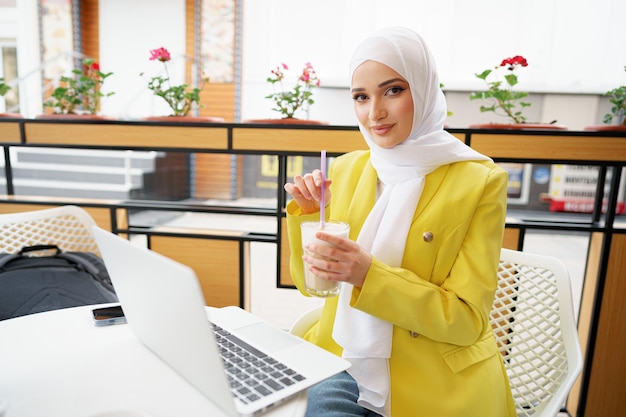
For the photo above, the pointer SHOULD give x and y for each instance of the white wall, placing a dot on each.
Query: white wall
(28, 57)
(129, 30)
(574, 48)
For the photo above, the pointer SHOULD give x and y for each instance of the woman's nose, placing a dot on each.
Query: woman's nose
(377, 111)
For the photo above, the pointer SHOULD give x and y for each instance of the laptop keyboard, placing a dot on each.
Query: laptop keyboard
(252, 374)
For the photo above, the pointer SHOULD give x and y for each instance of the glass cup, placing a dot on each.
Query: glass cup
(321, 287)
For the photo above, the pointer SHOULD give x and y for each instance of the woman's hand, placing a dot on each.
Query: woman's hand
(307, 191)
(344, 261)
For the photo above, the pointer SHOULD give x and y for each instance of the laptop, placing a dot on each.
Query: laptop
(165, 309)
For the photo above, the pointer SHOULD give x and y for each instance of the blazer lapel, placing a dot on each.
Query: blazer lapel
(432, 183)
(363, 199)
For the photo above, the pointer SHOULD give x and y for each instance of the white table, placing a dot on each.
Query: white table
(59, 364)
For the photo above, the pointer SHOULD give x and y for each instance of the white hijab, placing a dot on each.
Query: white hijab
(366, 339)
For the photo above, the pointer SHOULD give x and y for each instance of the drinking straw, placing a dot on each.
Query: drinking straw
(323, 193)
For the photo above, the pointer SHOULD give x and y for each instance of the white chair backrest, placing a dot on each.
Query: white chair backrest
(68, 227)
(533, 320)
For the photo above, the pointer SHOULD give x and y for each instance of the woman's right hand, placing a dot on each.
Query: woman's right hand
(306, 191)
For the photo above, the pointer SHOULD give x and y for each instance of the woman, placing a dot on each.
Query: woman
(419, 273)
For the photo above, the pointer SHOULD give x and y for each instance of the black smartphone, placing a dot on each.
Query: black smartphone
(108, 315)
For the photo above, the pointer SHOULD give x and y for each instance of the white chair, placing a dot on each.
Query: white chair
(533, 320)
(68, 227)
(534, 325)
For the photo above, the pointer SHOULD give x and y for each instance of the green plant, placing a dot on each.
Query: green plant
(617, 97)
(288, 102)
(504, 101)
(80, 91)
(180, 98)
(448, 112)
(4, 88)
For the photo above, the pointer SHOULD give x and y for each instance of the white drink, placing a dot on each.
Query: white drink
(321, 287)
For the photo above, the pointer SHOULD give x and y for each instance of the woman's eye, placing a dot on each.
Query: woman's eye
(394, 91)
(359, 97)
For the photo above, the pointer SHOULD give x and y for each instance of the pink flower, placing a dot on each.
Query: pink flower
(161, 54)
(181, 98)
(298, 98)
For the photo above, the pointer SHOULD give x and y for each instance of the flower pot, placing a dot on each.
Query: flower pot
(286, 121)
(188, 119)
(518, 126)
(72, 116)
(606, 128)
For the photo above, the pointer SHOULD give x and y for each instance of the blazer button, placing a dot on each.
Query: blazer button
(428, 236)
(413, 334)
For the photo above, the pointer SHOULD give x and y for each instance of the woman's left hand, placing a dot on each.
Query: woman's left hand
(344, 260)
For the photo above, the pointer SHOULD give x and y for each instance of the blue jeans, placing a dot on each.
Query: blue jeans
(336, 397)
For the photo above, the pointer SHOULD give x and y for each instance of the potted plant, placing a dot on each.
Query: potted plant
(503, 100)
(292, 101)
(4, 89)
(181, 99)
(81, 93)
(616, 118)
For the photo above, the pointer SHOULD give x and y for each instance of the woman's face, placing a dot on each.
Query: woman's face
(382, 103)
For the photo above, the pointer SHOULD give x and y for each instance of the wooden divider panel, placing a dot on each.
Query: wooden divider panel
(550, 147)
(216, 263)
(10, 133)
(605, 396)
(298, 140)
(103, 134)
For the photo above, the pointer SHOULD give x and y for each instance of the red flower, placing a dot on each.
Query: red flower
(161, 54)
(512, 62)
(94, 66)
(504, 101)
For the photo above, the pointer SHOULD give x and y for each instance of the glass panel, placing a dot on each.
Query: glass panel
(556, 193)
(299, 165)
(85, 173)
(569, 247)
(3, 179)
(260, 176)
(620, 218)
(9, 73)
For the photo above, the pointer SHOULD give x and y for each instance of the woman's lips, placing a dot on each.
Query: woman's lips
(382, 129)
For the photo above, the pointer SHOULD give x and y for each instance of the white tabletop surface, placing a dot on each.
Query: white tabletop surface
(59, 363)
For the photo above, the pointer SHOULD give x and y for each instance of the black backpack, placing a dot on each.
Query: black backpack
(33, 284)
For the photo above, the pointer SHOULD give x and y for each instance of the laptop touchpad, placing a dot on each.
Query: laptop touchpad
(267, 337)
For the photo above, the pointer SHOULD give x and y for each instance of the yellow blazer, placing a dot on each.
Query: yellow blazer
(444, 360)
